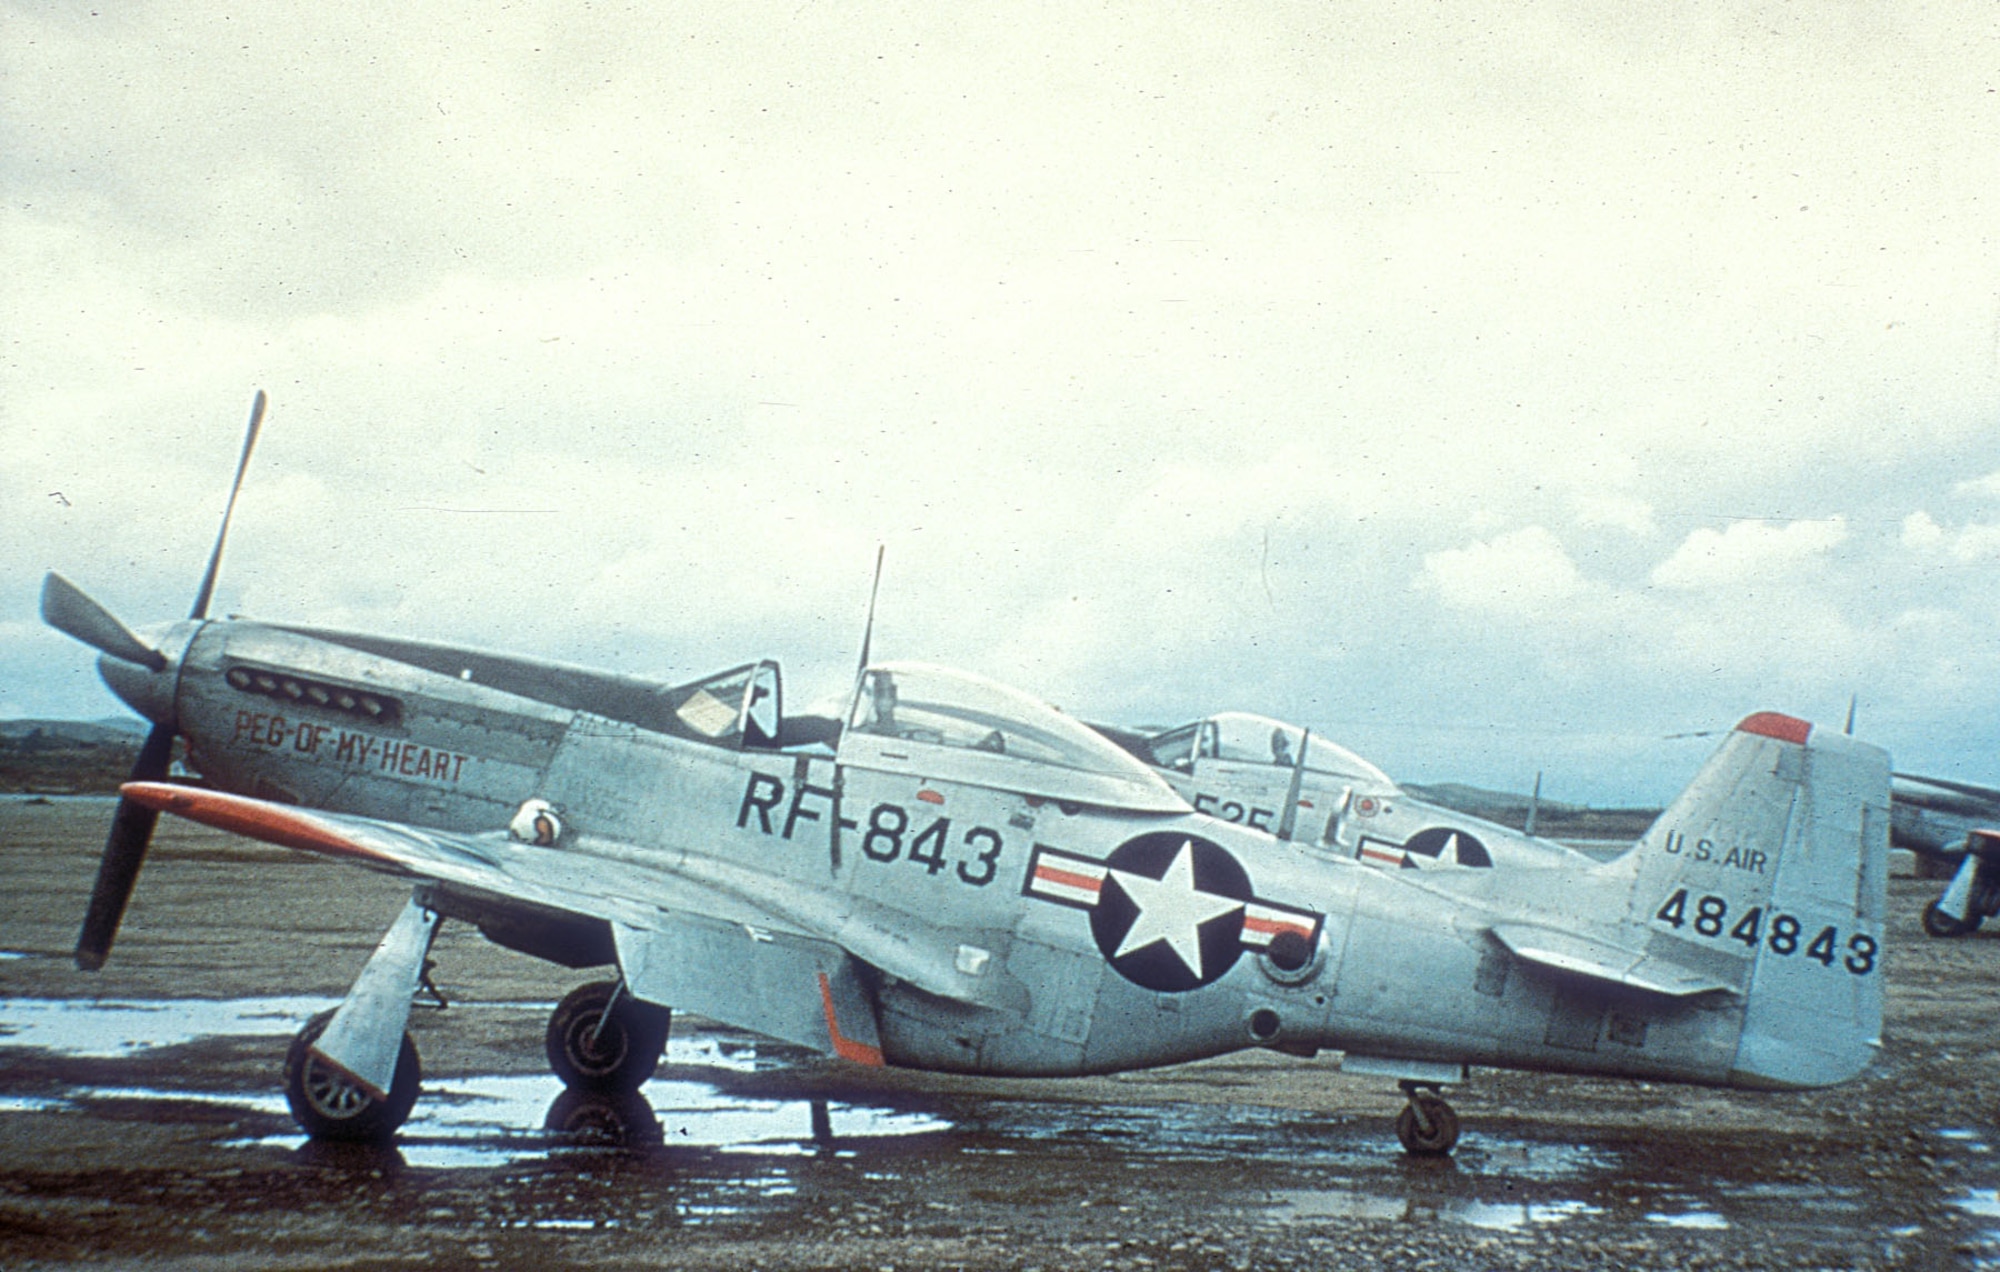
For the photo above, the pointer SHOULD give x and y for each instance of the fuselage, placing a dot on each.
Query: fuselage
(1046, 934)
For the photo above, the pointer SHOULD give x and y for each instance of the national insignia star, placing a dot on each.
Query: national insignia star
(1172, 909)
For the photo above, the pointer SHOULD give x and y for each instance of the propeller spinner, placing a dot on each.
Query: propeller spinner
(66, 608)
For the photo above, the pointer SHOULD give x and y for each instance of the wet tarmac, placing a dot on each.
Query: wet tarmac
(149, 1126)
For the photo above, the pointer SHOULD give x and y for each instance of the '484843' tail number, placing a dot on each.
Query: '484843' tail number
(1781, 934)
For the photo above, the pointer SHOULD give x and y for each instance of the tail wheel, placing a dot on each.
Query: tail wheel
(603, 1040)
(329, 1105)
(1938, 923)
(1427, 1126)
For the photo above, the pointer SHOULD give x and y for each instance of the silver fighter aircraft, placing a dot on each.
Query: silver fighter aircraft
(1973, 895)
(1297, 785)
(951, 875)
(1955, 825)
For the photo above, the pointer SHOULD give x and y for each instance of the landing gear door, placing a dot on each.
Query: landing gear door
(763, 708)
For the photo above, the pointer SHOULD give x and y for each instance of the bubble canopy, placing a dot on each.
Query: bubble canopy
(954, 726)
(1244, 738)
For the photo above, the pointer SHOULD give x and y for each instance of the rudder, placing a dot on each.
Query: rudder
(1770, 872)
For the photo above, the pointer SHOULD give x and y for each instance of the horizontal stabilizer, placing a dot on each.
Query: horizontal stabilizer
(1635, 969)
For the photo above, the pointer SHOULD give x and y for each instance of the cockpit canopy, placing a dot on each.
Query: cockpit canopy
(955, 726)
(1245, 738)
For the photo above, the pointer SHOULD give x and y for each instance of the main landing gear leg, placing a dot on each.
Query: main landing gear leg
(351, 1073)
(1426, 1126)
(602, 1039)
(1973, 894)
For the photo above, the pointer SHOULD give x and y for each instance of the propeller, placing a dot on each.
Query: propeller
(200, 609)
(67, 609)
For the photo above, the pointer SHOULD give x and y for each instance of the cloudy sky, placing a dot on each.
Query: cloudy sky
(1497, 391)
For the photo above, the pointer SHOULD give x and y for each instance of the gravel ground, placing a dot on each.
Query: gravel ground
(181, 1155)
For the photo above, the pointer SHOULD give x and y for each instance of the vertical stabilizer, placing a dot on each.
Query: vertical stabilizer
(1770, 874)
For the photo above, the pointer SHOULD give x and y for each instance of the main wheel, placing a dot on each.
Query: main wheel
(594, 1052)
(1434, 1134)
(1940, 924)
(332, 1106)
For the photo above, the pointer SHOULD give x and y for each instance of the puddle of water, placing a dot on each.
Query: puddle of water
(1700, 1220)
(490, 1121)
(1320, 1204)
(482, 1121)
(1983, 1202)
(113, 1029)
(1974, 1141)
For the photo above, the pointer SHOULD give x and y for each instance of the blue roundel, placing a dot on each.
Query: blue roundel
(1442, 843)
(1169, 916)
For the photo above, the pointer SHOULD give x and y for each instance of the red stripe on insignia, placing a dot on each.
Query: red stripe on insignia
(1045, 873)
(844, 1047)
(1376, 854)
(1257, 923)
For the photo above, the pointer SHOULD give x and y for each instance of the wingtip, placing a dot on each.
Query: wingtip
(1773, 724)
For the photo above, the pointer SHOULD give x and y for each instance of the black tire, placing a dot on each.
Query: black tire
(1439, 1139)
(1944, 926)
(605, 1119)
(592, 1053)
(329, 1105)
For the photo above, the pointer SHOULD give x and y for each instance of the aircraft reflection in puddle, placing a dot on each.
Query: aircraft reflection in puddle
(480, 1121)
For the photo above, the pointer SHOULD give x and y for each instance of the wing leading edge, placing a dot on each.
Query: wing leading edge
(702, 949)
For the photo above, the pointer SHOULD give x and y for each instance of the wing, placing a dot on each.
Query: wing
(691, 933)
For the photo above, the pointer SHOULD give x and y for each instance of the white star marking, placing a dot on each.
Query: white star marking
(1171, 909)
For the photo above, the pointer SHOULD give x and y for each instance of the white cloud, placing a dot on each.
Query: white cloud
(1748, 551)
(1920, 531)
(1977, 543)
(1967, 544)
(1519, 573)
(1989, 485)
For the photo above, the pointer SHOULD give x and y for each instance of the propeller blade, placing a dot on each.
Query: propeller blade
(124, 853)
(201, 598)
(66, 608)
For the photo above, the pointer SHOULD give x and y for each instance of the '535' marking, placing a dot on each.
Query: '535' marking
(1710, 917)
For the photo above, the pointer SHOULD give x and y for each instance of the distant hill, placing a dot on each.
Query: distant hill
(108, 730)
(68, 757)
